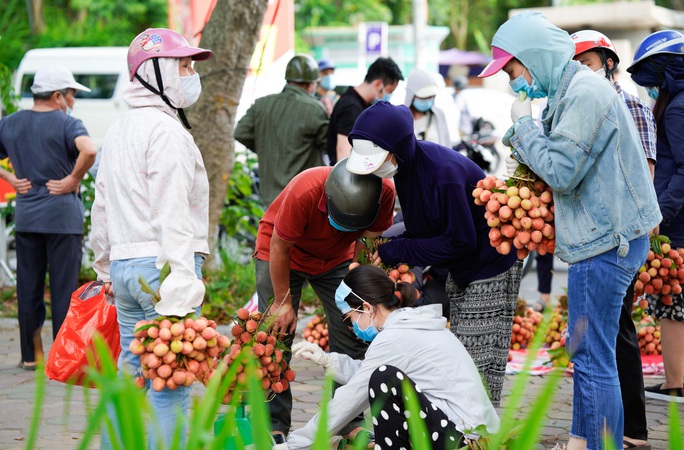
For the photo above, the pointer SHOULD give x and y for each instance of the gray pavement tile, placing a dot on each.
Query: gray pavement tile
(57, 432)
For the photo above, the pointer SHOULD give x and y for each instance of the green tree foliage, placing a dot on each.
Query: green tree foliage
(76, 23)
(472, 22)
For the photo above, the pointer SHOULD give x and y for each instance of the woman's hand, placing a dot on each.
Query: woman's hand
(311, 351)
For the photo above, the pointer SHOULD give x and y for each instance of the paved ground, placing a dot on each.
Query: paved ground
(62, 422)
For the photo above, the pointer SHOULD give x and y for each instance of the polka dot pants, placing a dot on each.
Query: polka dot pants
(386, 396)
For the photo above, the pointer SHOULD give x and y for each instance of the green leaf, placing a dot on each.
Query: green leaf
(146, 327)
(164, 272)
(146, 288)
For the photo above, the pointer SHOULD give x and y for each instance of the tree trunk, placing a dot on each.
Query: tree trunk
(35, 14)
(232, 34)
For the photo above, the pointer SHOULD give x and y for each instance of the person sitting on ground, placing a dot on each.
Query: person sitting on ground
(405, 344)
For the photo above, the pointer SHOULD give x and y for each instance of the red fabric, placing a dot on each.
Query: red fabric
(299, 215)
(73, 346)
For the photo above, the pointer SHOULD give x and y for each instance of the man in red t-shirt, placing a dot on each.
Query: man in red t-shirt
(318, 220)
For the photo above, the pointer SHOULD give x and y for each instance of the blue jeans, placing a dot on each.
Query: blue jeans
(596, 288)
(133, 305)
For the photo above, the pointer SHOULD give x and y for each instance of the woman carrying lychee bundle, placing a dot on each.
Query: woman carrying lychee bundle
(405, 344)
(151, 208)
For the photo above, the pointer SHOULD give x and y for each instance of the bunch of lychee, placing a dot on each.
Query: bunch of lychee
(316, 331)
(252, 336)
(177, 352)
(519, 213)
(663, 272)
(648, 335)
(524, 327)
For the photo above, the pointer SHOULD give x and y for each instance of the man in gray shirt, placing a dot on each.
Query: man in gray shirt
(50, 152)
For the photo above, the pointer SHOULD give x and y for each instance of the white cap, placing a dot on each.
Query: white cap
(427, 91)
(55, 78)
(365, 157)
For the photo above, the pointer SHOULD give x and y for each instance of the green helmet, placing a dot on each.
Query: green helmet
(353, 200)
(302, 69)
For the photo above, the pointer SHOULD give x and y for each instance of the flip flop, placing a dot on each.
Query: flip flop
(539, 306)
(349, 443)
(27, 366)
(627, 444)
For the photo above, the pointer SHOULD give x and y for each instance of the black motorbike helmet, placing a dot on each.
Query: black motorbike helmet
(353, 200)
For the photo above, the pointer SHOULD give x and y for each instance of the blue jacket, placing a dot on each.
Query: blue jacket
(444, 227)
(589, 153)
(669, 171)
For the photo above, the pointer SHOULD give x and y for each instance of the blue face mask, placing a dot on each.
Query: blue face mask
(385, 98)
(341, 293)
(653, 92)
(521, 84)
(423, 104)
(339, 227)
(327, 82)
(369, 333)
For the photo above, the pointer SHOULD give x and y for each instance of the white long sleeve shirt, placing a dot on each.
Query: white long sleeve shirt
(152, 194)
(416, 341)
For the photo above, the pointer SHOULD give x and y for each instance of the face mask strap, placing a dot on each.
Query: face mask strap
(160, 92)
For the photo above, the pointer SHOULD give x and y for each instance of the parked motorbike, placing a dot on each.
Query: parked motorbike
(479, 146)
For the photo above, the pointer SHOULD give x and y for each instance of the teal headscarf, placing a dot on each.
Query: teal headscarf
(539, 45)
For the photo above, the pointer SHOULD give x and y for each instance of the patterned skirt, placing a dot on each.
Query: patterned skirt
(675, 311)
(482, 319)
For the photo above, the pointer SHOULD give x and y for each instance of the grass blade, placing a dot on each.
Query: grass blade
(675, 428)
(37, 407)
(417, 429)
(322, 439)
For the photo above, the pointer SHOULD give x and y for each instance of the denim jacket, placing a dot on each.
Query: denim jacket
(591, 157)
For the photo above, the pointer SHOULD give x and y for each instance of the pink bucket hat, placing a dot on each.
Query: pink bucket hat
(161, 43)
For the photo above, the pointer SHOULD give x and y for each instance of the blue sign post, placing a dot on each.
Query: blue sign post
(372, 41)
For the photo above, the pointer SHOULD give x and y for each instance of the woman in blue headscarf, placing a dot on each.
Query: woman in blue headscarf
(590, 155)
(659, 67)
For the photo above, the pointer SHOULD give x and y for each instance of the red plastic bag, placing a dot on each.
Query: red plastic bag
(88, 313)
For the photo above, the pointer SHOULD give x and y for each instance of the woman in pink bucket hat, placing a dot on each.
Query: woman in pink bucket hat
(151, 207)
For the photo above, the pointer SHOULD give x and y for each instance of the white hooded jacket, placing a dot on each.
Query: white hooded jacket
(417, 80)
(152, 192)
(416, 341)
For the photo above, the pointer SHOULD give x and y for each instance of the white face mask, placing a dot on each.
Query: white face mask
(387, 170)
(601, 72)
(192, 88)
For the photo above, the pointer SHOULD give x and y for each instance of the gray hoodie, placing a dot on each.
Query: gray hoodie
(416, 341)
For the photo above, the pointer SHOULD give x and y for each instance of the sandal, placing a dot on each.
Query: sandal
(628, 444)
(539, 306)
(30, 366)
(350, 442)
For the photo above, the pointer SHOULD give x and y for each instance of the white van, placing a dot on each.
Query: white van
(102, 69)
